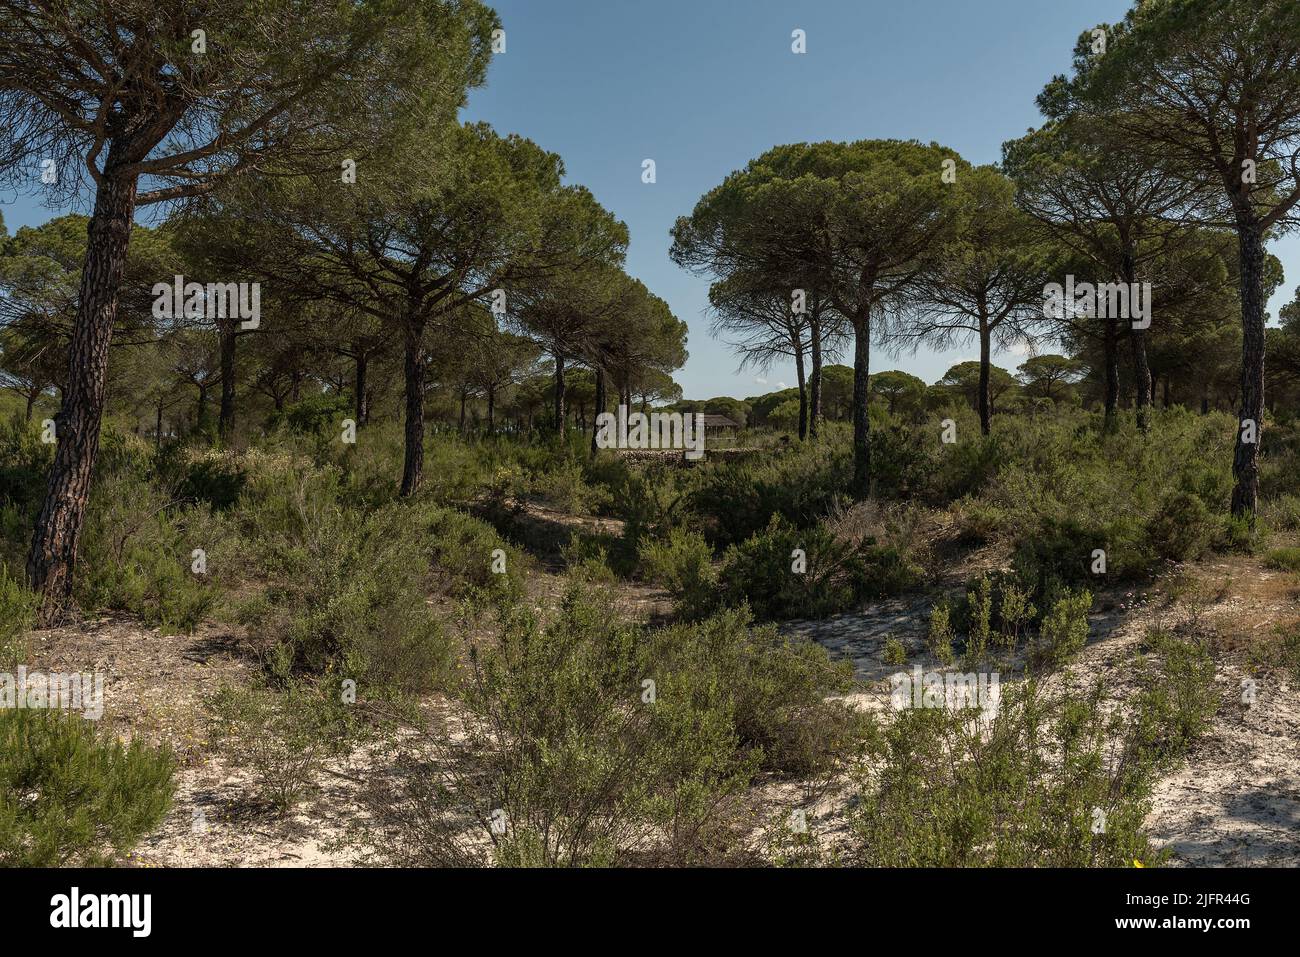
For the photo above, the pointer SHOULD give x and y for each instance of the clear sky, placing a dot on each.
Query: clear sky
(703, 86)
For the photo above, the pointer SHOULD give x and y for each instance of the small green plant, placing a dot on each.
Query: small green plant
(979, 629)
(17, 609)
(683, 564)
(1177, 700)
(894, 652)
(1284, 559)
(1064, 631)
(284, 737)
(939, 638)
(70, 795)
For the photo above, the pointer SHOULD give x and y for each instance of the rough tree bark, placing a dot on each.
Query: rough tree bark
(861, 422)
(559, 393)
(362, 411)
(413, 464)
(53, 553)
(1110, 347)
(985, 400)
(815, 383)
(600, 406)
(803, 387)
(226, 335)
(1245, 461)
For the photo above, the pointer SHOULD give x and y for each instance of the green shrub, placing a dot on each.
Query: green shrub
(565, 487)
(1024, 788)
(24, 466)
(763, 571)
(472, 553)
(138, 556)
(591, 742)
(738, 499)
(894, 653)
(1178, 698)
(683, 565)
(940, 634)
(70, 796)
(1284, 559)
(1064, 630)
(349, 600)
(17, 612)
(211, 482)
(1181, 528)
(282, 737)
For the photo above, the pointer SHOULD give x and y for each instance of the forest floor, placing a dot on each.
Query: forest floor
(1234, 801)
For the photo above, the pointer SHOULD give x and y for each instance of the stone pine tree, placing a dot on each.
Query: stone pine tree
(986, 283)
(457, 215)
(1211, 90)
(137, 102)
(859, 222)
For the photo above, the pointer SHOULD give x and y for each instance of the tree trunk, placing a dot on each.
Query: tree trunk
(413, 466)
(362, 407)
(53, 554)
(1110, 345)
(815, 385)
(464, 397)
(492, 409)
(31, 401)
(600, 406)
(157, 425)
(226, 417)
(861, 422)
(559, 394)
(1245, 462)
(985, 400)
(803, 387)
(1142, 385)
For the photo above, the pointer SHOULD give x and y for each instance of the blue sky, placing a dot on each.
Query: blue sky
(702, 86)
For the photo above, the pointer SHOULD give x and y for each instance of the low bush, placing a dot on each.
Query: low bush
(70, 796)
(786, 572)
(283, 737)
(1064, 631)
(683, 564)
(349, 601)
(587, 741)
(1030, 786)
(1284, 559)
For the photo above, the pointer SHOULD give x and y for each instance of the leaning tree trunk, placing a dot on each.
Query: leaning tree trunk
(600, 407)
(861, 423)
(815, 383)
(1250, 430)
(53, 554)
(559, 394)
(226, 416)
(803, 388)
(413, 465)
(985, 400)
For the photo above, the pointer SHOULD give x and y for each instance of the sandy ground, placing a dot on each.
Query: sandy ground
(1235, 802)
